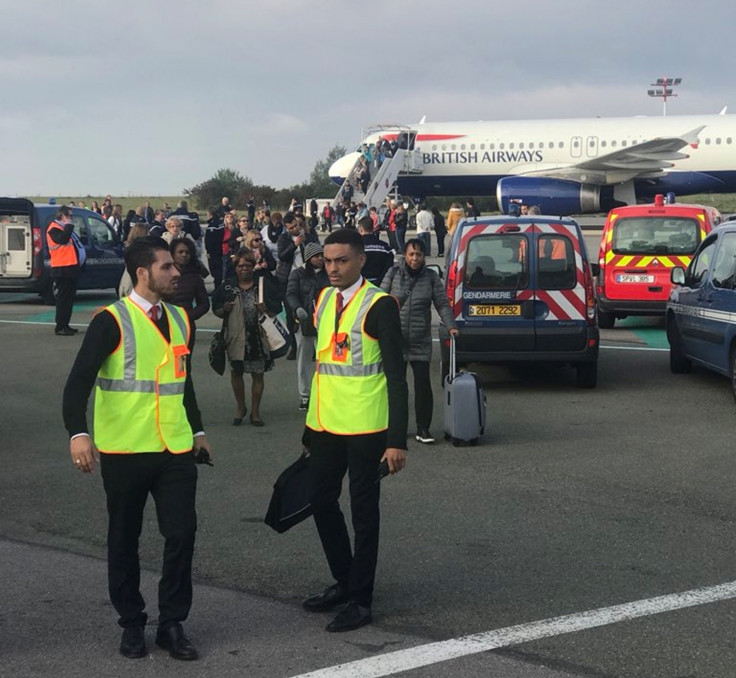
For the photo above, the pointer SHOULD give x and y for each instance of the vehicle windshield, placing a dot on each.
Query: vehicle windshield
(655, 235)
(497, 262)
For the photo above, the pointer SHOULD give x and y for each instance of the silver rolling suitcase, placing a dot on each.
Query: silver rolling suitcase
(464, 404)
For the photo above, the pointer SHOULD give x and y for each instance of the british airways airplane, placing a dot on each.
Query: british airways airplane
(564, 166)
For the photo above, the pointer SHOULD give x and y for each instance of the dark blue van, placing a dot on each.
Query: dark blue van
(24, 256)
(701, 311)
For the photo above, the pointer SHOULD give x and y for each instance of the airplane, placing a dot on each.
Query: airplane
(566, 166)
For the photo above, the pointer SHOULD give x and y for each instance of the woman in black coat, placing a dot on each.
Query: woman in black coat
(190, 292)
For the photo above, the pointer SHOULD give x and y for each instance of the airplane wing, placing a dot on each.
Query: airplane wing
(648, 158)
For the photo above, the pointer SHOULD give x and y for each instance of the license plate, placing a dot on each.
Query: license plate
(494, 310)
(634, 278)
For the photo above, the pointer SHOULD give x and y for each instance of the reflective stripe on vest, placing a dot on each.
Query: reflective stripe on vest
(61, 255)
(352, 378)
(135, 414)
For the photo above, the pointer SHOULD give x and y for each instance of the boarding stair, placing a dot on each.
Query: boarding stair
(383, 177)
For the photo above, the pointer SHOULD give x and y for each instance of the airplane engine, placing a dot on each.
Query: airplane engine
(554, 196)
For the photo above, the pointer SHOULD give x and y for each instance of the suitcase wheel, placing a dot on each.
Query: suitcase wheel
(455, 442)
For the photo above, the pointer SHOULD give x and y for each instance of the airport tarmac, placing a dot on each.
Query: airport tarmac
(595, 506)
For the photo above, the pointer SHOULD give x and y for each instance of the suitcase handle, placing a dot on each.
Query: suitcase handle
(453, 362)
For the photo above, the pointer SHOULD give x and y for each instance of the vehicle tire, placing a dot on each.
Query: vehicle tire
(587, 375)
(679, 363)
(606, 320)
(455, 442)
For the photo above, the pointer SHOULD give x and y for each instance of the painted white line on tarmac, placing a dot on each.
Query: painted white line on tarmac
(434, 653)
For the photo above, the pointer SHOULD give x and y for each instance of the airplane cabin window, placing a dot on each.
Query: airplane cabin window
(492, 147)
(472, 147)
(718, 140)
(434, 147)
(603, 144)
(561, 144)
(728, 140)
(483, 147)
(707, 141)
(511, 145)
(444, 147)
(623, 143)
(453, 147)
(521, 144)
(551, 144)
(501, 146)
(614, 144)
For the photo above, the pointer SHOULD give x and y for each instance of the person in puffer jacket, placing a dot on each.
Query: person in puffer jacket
(305, 284)
(416, 288)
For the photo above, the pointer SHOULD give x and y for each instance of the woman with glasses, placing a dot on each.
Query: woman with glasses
(265, 261)
(236, 300)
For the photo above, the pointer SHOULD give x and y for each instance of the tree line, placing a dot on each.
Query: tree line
(239, 189)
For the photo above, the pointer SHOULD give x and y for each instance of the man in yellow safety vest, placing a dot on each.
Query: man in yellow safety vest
(357, 420)
(147, 427)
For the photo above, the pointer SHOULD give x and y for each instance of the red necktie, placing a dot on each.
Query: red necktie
(153, 313)
(339, 303)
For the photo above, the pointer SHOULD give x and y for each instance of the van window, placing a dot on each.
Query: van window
(99, 233)
(699, 265)
(555, 263)
(724, 266)
(497, 262)
(655, 235)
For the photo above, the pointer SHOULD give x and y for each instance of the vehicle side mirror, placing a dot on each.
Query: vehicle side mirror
(595, 270)
(436, 269)
(677, 276)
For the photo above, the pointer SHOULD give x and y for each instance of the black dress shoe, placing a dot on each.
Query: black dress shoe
(65, 332)
(133, 643)
(351, 617)
(178, 645)
(330, 598)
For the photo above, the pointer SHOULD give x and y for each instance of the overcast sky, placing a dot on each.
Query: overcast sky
(148, 98)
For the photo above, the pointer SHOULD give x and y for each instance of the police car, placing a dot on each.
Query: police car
(521, 289)
(701, 310)
(24, 255)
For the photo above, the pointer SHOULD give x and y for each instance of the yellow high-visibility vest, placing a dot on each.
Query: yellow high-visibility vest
(139, 392)
(349, 394)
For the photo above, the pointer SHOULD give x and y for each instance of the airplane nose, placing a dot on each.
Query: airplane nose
(342, 167)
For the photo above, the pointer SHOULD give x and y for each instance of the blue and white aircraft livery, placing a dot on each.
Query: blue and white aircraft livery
(564, 166)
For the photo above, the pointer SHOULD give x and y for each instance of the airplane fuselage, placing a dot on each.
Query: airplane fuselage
(470, 158)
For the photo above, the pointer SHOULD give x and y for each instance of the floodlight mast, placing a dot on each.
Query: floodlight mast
(664, 88)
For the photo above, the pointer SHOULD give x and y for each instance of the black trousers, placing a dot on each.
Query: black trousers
(66, 290)
(440, 241)
(331, 456)
(423, 400)
(171, 479)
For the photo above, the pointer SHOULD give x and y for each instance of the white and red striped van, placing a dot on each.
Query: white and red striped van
(521, 289)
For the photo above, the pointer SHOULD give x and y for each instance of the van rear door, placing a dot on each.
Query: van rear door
(16, 238)
(494, 274)
(559, 298)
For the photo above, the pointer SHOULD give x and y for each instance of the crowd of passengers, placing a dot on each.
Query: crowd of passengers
(264, 261)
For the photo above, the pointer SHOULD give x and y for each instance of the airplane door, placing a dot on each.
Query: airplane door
(576, 147)
(591, 147)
